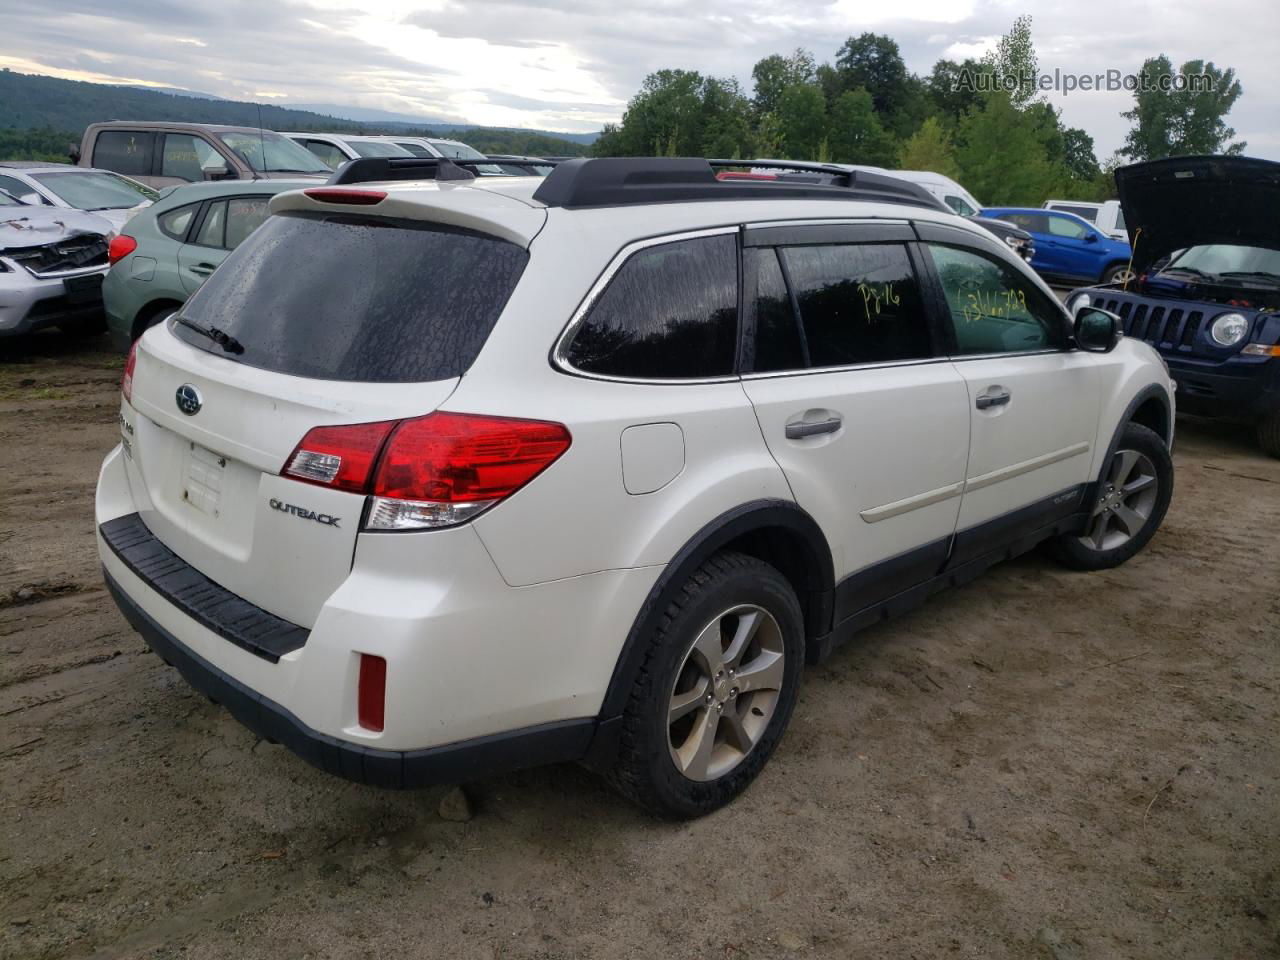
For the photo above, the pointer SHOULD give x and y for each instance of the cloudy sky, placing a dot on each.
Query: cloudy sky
(573, 65)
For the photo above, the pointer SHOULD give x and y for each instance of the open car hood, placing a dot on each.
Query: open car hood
(32, 226)
(1190, 201)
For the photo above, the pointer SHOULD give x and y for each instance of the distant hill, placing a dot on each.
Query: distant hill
(31, 102)
(386, 119)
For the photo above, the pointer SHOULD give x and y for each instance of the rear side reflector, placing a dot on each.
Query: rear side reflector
(371, 697)
(120, 247)
(361, 198)
(434, 471)
(126, 382)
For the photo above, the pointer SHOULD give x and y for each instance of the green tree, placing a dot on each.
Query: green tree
(802, 118)
(1014, 63)
(929, 148)
(1078, 156)
(681, 113)
(1001, 153)
(775, 73)
(856, 134)
(873, 62)
(953, 87)
(1187, 118)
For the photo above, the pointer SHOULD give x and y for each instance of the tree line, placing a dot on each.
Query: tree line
(982, 122)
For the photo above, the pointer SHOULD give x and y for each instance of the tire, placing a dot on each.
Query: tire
(659, 765)
(1116, 273)
(1269, 434)
(1136, 486)
(154, 318)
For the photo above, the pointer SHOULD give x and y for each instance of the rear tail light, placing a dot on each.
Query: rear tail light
(434, 471)
(339, 457)
(120, 247)
(126, 382)
(371, 693)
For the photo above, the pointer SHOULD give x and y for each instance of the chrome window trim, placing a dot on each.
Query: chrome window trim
(559, 359)
(879, 365)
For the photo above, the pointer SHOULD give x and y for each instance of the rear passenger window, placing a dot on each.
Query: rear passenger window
(124, 151)
(994, 308)
(244, 215)
(778, 345)
(670, 312)
(187, 157)
(175, 223)
(859, 303)
(215, 218)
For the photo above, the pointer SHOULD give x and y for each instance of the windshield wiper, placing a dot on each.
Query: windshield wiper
(1191, 270)
(223, 339)
(291, 170)
(1252, 275)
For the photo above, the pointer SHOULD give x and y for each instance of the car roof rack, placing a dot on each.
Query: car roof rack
(378, 169)
(620, 181)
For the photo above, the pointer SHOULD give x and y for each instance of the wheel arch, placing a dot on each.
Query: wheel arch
(142, 319)
(1149, 407)
(778, 532)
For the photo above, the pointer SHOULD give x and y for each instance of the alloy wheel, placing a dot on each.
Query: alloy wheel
(1125, 503)
(725, 692)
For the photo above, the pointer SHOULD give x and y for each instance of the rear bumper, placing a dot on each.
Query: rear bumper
(454, 763)
(481, 676)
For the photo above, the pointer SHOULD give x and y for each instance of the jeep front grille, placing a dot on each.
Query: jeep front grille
(1154, 324)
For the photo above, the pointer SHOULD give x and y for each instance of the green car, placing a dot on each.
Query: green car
(165, 252)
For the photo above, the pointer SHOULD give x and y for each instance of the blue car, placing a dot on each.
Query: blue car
(1068, 248)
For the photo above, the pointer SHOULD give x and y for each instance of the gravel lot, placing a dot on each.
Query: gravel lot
(1041, 764)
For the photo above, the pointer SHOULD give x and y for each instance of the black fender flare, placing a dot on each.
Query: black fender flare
(730, 525)
(1150, 391)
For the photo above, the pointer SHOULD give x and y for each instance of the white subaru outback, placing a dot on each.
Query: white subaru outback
(440, 476)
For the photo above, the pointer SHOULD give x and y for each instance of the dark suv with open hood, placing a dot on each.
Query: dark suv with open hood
(1206, 239)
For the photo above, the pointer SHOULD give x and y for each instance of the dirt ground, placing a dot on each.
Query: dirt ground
(1039, 765)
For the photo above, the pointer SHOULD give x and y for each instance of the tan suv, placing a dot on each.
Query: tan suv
(162, 154)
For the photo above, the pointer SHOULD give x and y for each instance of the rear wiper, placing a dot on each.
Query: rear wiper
(223, 339)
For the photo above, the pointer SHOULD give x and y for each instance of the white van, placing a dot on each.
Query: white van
(1107, 217)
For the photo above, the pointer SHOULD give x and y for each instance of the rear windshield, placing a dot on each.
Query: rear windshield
(342, 297)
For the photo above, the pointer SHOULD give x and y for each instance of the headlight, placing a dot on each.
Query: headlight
(1078, 301)
(1229, 329)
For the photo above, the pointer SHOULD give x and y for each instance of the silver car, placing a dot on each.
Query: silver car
(111, 196)
(51, 266)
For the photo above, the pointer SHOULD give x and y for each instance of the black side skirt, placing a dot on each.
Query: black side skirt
(901, 584)
(453, 763)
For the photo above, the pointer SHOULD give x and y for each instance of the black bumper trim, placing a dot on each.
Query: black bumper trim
(467, 760)
(212, 606)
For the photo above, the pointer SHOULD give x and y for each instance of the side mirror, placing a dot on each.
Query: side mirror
(33, 198)
(1097, 330)
(1090, 238)
(220, 172)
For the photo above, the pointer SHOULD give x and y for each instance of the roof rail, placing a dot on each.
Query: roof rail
(377, 169)
(618, 181)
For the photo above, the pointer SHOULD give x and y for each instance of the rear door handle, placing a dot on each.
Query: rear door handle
(204, 269)
(811, 428)
(996, 399)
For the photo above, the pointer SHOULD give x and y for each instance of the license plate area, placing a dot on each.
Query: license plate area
(84, 289)
(205, 477)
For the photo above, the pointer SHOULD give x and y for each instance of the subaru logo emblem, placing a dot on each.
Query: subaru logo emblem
(189, 401)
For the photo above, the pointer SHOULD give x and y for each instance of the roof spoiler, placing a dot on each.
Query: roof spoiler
(618, 181)
(380, 169)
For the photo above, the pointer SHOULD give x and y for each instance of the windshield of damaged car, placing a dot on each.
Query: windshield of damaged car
(94, 190)
(1228, 261)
